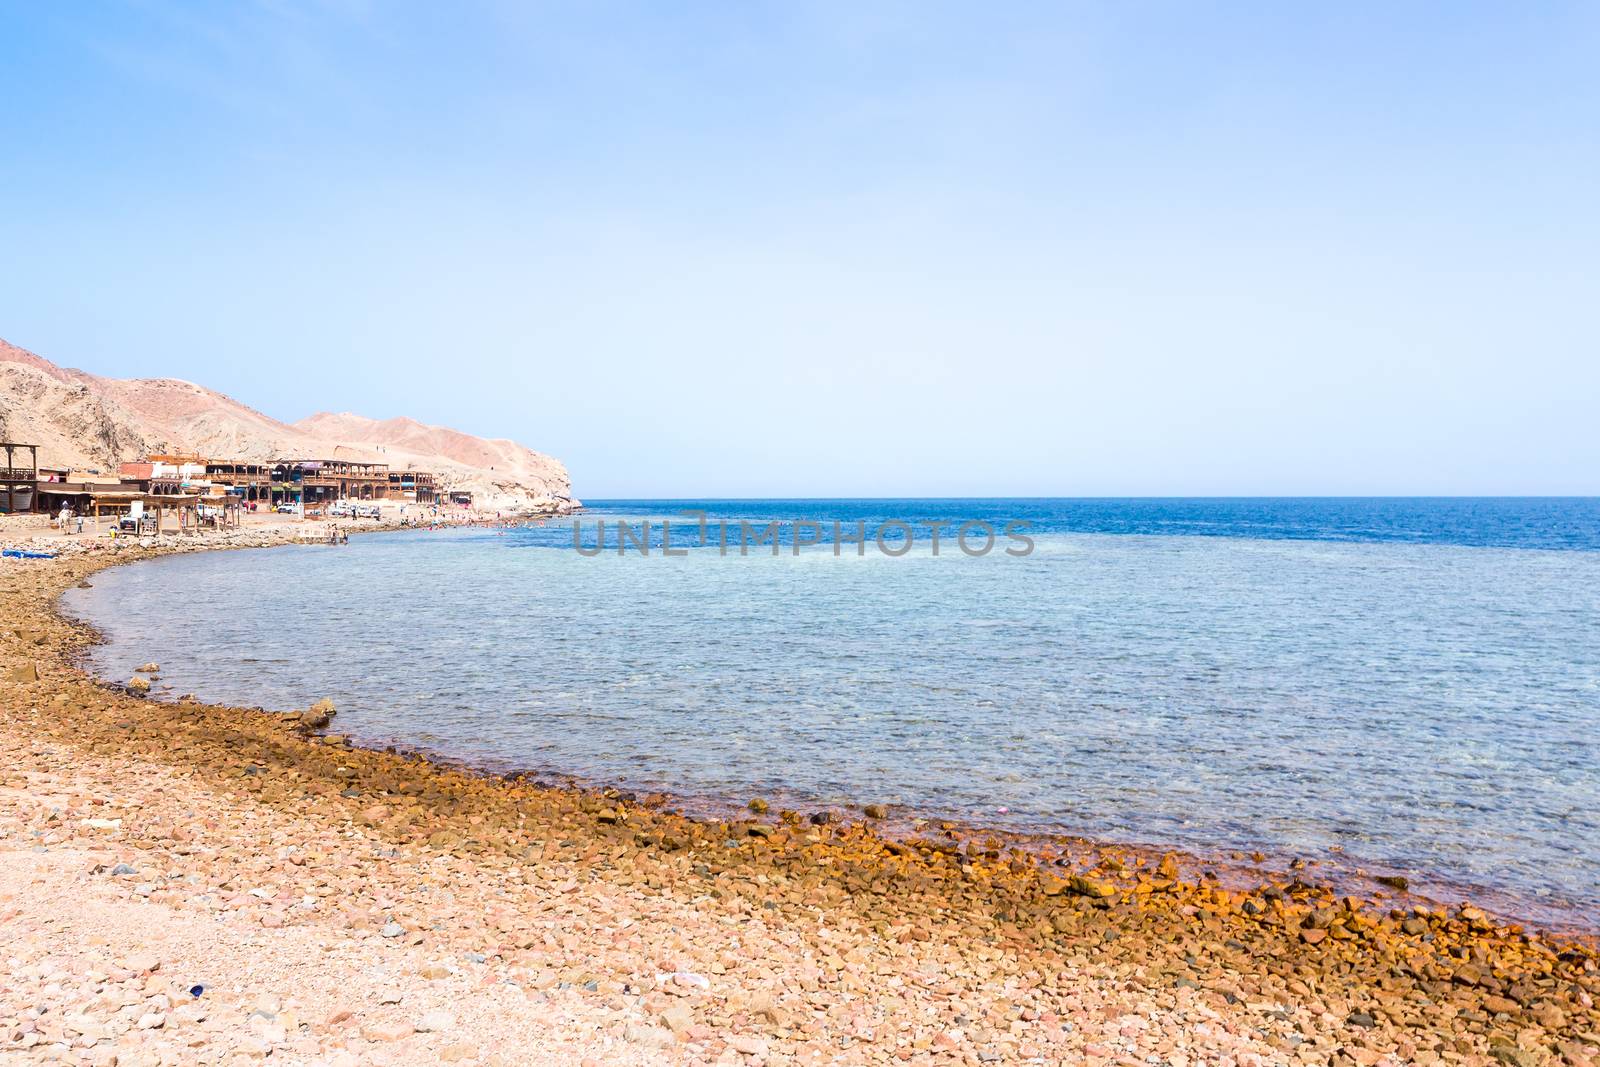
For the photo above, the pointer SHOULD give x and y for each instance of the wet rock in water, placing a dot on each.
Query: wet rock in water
(821, 818)
(138, 685)
(1393, 881)
(759, 806)
(875, 811)
(148, 668)
(317, 715)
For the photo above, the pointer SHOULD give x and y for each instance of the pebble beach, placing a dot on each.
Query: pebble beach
(184, 883)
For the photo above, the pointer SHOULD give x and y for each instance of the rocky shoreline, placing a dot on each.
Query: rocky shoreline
(346, 905)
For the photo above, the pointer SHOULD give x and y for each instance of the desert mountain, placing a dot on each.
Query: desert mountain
(83, 420)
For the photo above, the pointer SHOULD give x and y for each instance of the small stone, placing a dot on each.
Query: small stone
(434, 1021)
(1090, 887)
(154, 1020)
(393, 930)
(387, 1031)
(677, 1018)
(1513, 1055)
(875, 811)
(648, 1036)
(749, 1046)
(759, 806)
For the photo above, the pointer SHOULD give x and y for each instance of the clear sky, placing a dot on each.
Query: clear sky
(767, 249)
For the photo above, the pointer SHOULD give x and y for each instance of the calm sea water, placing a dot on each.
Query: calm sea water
(1411, 685)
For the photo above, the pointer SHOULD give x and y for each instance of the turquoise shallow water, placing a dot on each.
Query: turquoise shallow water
(1432, 708)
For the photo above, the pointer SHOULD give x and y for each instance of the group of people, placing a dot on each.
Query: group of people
(68, 522)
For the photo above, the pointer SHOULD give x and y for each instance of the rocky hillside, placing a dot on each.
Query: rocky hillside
(83, 420)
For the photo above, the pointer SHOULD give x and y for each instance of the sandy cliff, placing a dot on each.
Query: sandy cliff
(83, 420)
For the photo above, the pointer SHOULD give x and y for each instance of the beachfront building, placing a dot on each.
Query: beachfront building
(316, 482)
(358, 481)
(412, 486)
(182, 467)
(135, 504)
(77, 488)
(19, 476)
(245, 480)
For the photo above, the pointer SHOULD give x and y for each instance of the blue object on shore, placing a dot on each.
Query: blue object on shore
(26, 553)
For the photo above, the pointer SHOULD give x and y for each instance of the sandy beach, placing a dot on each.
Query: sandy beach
(185, 883)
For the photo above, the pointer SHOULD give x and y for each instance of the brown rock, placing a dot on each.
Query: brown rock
(1496, 1004)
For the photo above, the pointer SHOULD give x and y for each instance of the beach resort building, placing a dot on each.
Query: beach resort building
(19, 475)
(247, 480)
(197, 484)
(312, 482)
(412, 486)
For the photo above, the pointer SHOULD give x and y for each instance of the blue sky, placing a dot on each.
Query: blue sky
(840, 249)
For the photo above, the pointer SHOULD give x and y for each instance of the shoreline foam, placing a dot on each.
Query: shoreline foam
(1288, 971)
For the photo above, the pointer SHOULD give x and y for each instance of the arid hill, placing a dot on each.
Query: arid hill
(83, 420)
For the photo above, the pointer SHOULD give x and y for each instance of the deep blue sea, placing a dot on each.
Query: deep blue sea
(1395, 685)
(1571, 523)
